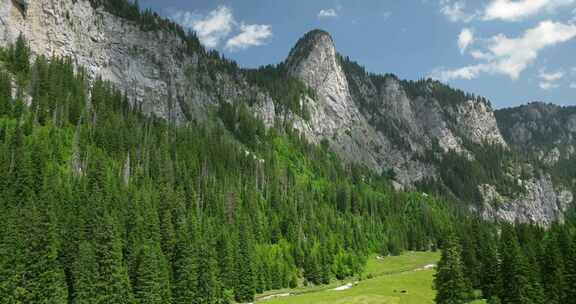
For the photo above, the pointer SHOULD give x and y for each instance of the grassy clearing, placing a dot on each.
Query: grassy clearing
(395, 280)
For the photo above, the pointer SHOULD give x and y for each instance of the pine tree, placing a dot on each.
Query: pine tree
(570, 273)
(491, 279)
(85, 275)
(245, 289)
(184, 269)
(518, 284)
(552, 272)
(151, 284)
(113, 285)
(208, 286)
(45, 279)
(5, 94)
(449, 281)
(20, 56)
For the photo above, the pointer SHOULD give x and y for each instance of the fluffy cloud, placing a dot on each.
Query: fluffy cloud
(508, 10)
(212, 28)
(454, 10)
(328, 13)
(549, 80)
(215, 27)
(511, 56)
(465, 38)
(250, 35)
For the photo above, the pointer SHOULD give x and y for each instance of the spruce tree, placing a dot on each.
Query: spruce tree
(491, 279)
(450, 283)
(184, 269)
(5, 94)
(518, 284)
(552, 272)
(85, 275)
(151, 284)
(570, 273)
(245, 289)
(112, 285)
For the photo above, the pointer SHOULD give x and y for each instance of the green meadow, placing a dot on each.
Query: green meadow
(391, 280)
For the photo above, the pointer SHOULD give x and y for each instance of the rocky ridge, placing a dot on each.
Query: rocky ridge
(152, 67)
(382, 122)
(546, 129)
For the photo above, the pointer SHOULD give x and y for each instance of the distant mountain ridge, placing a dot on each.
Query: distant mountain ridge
(417, 132)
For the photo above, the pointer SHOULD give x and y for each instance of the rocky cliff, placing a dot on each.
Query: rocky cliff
(156, 68)
(402, 128)
(546, 129)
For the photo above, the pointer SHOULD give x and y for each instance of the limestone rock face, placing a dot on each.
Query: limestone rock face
(546, 129)
(151, 66)
(478, 123)
(540, 204)
(374, 120)
(336, 117)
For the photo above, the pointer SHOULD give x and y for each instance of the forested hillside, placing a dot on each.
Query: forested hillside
(101, 203)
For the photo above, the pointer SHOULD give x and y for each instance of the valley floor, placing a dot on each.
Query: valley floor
(404, 279)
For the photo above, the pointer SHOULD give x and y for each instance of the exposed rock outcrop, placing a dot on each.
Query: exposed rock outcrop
(375, 120)
(335, 116)
(151, 66)
(546, 129)
(540, 204)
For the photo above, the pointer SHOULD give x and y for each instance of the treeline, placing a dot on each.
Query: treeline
(430, 88)
(101, 204)
(509, 264)
(287, 92)
(460, 175)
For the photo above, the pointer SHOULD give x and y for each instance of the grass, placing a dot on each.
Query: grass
(390, 277)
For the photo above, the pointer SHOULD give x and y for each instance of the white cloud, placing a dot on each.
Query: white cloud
(511, 56)
(573, 85)
(549, 80)
(386, 15)
(250, 35)
(550, 76)
(476, 54)
(328, 13)
(215, 27)
(212, 28)
(467, 72)
(465, 38)
(548, 85)
(454, 10)
(508, 10)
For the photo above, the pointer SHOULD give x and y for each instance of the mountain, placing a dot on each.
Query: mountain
(422, 134)
(545, 129)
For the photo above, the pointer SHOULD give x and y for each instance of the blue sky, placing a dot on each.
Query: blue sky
(511, 51)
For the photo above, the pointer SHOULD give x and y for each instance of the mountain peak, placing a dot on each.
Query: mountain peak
(312, 40)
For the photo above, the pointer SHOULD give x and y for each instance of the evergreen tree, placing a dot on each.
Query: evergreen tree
(85, 275)
(245, 289)
(20, 57)
(208, 287)
(518, 284)
(112, 285)
(151, 285)
(553, 272)
(491, 280)
(449, 281)
(184, 267)
(5, 94)
(570, 273)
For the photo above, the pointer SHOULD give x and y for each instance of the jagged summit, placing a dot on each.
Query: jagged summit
(305, 46)
(401, 128)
